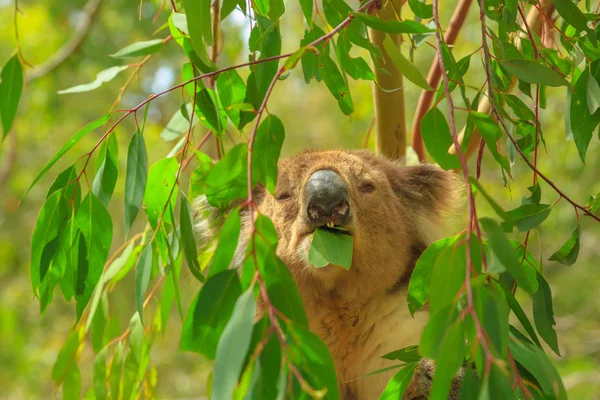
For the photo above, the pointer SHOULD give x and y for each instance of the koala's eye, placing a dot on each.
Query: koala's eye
(283, 197)
(367, 187)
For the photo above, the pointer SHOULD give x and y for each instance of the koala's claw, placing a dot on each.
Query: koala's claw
(420, 384)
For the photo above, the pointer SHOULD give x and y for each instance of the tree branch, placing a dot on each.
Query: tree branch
(390, 120)
(90, 11)
(433, 78)
(535, 21)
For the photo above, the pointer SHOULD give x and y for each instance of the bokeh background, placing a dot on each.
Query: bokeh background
(29, 342)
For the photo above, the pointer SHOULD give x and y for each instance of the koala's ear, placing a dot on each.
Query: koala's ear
(428, 188)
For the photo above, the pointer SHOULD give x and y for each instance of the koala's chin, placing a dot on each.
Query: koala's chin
(391, 211)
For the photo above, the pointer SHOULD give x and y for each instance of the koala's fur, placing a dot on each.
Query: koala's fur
(361, 314)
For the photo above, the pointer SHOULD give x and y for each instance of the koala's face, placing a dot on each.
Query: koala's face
(385, 206)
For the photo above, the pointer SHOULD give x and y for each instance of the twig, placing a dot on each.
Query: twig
(472, 220)
(433, 78)
(534, 21)
(90, 11)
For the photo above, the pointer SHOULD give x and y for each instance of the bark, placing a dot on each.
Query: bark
(390, 121)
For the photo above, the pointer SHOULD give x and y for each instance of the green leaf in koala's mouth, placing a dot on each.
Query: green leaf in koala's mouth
(331, 247)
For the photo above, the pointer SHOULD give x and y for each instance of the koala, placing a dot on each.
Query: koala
(392, 212)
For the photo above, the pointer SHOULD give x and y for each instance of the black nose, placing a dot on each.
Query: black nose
(326, 199)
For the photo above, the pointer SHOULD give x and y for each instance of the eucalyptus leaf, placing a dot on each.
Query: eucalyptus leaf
(331, 248)
(103, 76)
(567, 254)
(11, 87)
(138, 49)
(67, 146)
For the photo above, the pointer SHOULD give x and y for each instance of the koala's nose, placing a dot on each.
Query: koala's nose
(326, 199)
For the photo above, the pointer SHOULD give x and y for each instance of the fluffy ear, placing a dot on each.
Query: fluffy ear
(427, 189)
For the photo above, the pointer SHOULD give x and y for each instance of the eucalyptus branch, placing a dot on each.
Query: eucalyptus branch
(433, 78)
(494, 110)
(90, 12)
(534, 21)
(472, 219)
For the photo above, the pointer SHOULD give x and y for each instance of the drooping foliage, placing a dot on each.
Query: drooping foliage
(469, 280)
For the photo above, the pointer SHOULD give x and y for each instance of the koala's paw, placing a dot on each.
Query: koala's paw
(420, 384)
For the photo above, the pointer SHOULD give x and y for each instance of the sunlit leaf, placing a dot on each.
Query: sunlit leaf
(281, 287)
(397, 386)
(228, 241)
(227, 180)
(178, 124)
(408, 354)
(307, 10)
(139, 49)
(66, 356)
(232, 347)
(209, 313)
(74, 139)
(437, 139)
(505, 253)
(199, 23)
(269, 139)
(100, 375)
(45, 237)
(116, 368)
(418, 286)
(11, 87)
(408, 69)
(72, 383)
(357, 67)
(310, 61)
(106, 177)
(95, 224)
(392, 26)
(232, 92)
(158, 196)
(421, 9)
(103, 76)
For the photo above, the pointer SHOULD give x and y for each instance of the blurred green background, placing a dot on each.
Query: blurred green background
(29, 342)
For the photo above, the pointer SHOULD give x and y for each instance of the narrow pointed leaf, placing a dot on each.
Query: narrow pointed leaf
(103, 76)
(135, 178)
(11, 87)
(142, 277)
(138, 49)
(74, 139)
(232, 347)
(569, 251)
(408, 69)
